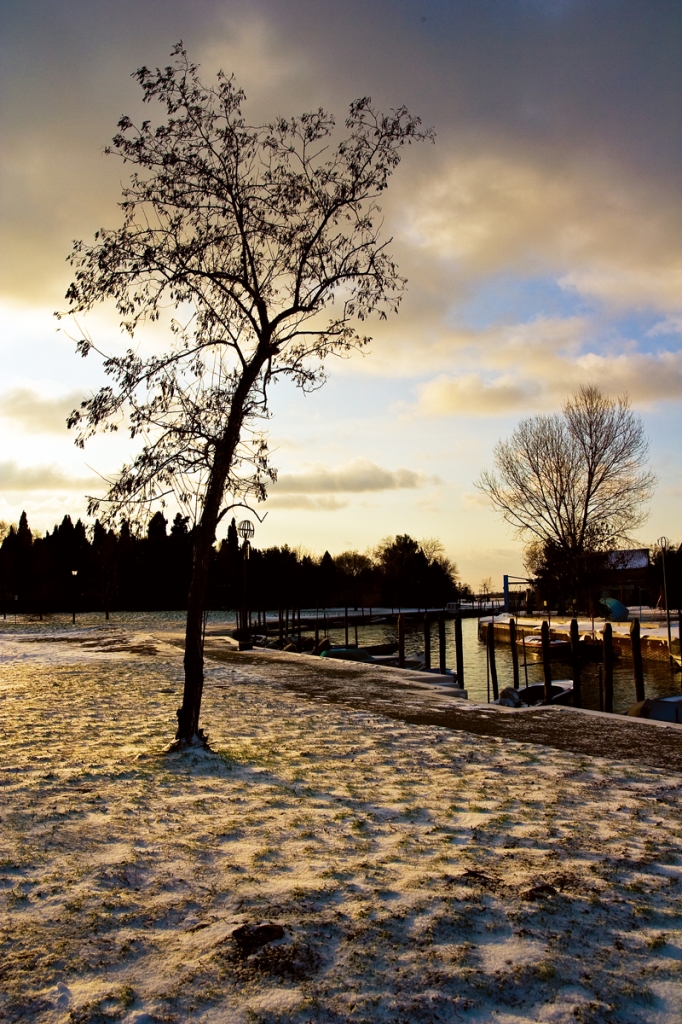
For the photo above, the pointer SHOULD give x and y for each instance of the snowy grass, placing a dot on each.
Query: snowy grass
(419, 874)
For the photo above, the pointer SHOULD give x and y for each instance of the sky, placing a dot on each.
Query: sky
(540, 237)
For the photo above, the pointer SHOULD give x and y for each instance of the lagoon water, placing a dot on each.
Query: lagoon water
(660, 680)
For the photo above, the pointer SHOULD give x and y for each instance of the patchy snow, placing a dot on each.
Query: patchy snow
(419, 874)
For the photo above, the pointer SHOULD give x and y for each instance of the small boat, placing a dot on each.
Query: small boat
(373, 649)
(534, 695)
(659, 709)
(347, 654)
(533, 647)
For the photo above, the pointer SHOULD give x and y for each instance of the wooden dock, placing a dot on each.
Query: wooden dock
(654, 641)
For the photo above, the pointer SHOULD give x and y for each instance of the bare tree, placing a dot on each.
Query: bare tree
(248, 233)
(575, 481)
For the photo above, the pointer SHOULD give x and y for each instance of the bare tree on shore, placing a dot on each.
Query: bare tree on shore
(249, 233)
(576, 482)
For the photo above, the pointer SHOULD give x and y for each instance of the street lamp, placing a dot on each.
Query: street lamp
(662, 543)
(74, 573)
(246, 530)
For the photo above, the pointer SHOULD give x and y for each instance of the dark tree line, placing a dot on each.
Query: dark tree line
(73, 568)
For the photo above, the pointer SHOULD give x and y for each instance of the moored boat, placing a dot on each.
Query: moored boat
(659, 709)
(534, 695)
(533, 647)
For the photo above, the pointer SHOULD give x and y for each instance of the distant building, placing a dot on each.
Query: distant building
(627, 576)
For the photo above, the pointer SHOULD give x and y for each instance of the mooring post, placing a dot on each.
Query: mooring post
(575, 658)
(546, 666)
(459, 651)
(317, 626)
(281, 627)
(514, 652)
(401, 642)
(441, 645)
(490, 636)
(427, 642)
(636, 641)
(608, 667)
(345, 623)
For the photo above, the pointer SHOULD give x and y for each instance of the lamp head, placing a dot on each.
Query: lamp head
(245, 529)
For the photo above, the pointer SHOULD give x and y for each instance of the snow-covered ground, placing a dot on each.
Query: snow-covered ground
(418, 874)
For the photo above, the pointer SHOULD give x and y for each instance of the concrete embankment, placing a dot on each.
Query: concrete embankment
(389, 691)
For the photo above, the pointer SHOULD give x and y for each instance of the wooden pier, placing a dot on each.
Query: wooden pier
(653, 645)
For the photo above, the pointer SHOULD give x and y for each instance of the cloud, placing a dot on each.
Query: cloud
(671, 325)
(355, 477)
(471, 394)
(305, 503)
(598, 232)
(36, 414)
(474, 499)
(41, 478)
(535, 367)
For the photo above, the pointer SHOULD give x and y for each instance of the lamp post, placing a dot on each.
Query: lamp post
(74, 574)
(662, 543)
(246, 530)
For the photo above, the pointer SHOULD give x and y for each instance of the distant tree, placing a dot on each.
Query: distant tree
(328, 577)
(575, 482)
(104, 548)
(673, 574)
(440, 563)
(250, 233)
(156, 527)
(353, 569)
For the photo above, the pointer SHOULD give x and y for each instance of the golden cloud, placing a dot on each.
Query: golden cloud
(37, 414)
(41, 478)
(600, 234)
(536, 378)
(356, 477)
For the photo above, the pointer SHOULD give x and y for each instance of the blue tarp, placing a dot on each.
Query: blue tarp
(619, 612)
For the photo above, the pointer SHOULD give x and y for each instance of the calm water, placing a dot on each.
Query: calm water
(660, 681)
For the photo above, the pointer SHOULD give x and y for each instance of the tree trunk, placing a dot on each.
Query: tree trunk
(188, 715)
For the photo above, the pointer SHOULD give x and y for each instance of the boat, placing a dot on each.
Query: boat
(347, 654)
(658, 709)
(374, 649)
(534, 695)
(533, 647)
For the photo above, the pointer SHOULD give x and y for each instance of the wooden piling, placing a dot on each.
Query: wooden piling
(441, 645)
(345, 624)
(401, 642)
(546, 665)
(514, 652)
(459, 651)
(357, 645)
(636, 642)
(601, 687)
(575, 659)
(281, 626)
(490, 636)
(608, 667)
(427, 642)
(317, 626)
